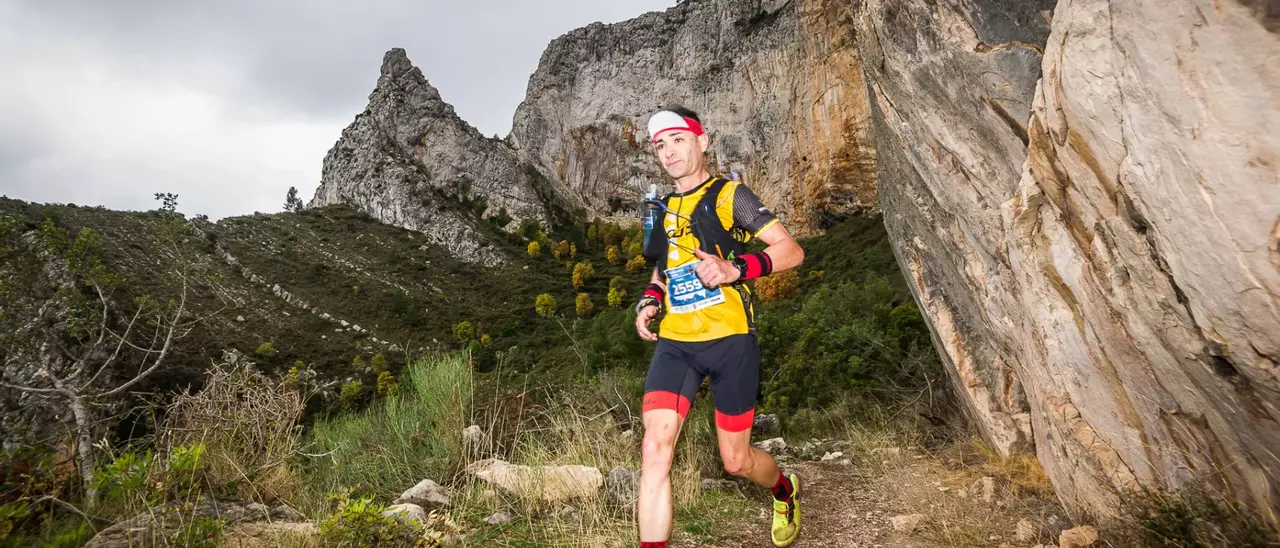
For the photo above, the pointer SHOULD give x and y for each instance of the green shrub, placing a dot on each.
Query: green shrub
(398, 441)
(464, 332)
(583, 305)
(359, 522)
(616, 296)
(358, 364)
(350, 395)
(534, 250)
(1190, 518)
(266, 350)
(387, 384)
(840, 340)
(545, 305)
(636, 265)
(778, 286)
(612, 255)
(582, 273)
(379, 363)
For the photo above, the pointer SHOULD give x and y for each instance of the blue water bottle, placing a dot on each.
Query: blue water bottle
(650, 214)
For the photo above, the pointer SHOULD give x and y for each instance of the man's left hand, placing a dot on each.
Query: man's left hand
(714, 271)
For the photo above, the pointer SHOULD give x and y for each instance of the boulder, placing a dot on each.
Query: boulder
(427, 494)
(406, 512)
(766, 425)
(546, 483)
(499, 518)
(621, 486)
(775, 446)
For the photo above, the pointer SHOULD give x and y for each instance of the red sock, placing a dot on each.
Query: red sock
(659, 544)
(783, 489)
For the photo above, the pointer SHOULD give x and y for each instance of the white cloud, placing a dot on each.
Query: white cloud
(228, 104)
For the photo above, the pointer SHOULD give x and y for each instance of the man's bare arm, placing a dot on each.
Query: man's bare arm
(783, 249)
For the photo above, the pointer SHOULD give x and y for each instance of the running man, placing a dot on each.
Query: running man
(708, 329)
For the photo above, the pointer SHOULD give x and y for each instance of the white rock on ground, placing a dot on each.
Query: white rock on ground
(499, 518)
(546, 483)
(426, 493)
(405, 512)
(775, 446)
(906, 523)
(1078, 537)
(1025, 531)
(473, 438)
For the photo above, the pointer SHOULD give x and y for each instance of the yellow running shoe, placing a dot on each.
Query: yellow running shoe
(786, 516)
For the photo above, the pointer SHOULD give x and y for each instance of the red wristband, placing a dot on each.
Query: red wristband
(655, 291)
(753, 265)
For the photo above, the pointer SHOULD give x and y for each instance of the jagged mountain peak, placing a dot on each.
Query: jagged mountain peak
(410, 161)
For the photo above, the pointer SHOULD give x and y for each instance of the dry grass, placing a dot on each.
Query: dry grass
(585, 428)
(950, 488)
(248, 425)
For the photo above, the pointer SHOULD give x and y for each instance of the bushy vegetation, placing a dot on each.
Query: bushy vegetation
(400, 440)
(378, 427)
(842, 339)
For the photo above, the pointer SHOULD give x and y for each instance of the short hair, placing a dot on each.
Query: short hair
(684, 112)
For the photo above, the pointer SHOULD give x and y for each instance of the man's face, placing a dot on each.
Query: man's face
(680, 152)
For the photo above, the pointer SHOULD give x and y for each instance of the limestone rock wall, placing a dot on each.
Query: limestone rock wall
(1095, 250)
(777, 84)
(408, 160)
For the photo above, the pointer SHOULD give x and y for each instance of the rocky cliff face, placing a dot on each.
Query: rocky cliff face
(777, 84)
(409, 161)
(1083, 194)
(1095, 250)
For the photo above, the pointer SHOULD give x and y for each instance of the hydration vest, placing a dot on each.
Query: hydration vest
(712, 236)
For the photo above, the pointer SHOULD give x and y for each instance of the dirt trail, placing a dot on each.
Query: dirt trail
(964, 501)
(841, 506)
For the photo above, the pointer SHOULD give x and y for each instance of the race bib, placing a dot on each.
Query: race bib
(687, 292)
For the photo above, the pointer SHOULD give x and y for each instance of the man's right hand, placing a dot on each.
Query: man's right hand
(642, 322)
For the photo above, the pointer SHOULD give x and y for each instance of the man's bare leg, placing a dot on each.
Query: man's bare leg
(661, 430)
(744, 460)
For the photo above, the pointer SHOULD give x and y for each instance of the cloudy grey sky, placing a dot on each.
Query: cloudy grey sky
(229, 103)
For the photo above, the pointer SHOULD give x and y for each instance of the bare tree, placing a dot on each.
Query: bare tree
(66, 338)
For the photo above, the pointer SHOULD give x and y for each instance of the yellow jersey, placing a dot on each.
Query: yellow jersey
(733, 314)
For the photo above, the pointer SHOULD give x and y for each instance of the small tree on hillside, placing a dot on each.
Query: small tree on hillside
(636, 264)
(291, 201)
(582, 305)
(582, 273)
(545, 305)
(464, 332)
(65, 336)
(612, 255)
(534, 250)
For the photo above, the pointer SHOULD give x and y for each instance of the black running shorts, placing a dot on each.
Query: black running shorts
(732, 363)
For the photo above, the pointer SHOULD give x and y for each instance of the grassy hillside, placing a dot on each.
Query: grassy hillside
(304, 281)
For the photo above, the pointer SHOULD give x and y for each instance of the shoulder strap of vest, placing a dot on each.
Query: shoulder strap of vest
(711, 196)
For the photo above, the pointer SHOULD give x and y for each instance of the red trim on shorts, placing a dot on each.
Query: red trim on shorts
(735, 423)
(663, 399)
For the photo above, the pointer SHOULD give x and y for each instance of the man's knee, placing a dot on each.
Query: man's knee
(656, 451)
(737, 462)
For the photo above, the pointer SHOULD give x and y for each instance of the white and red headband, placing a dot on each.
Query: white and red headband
(666, 120)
